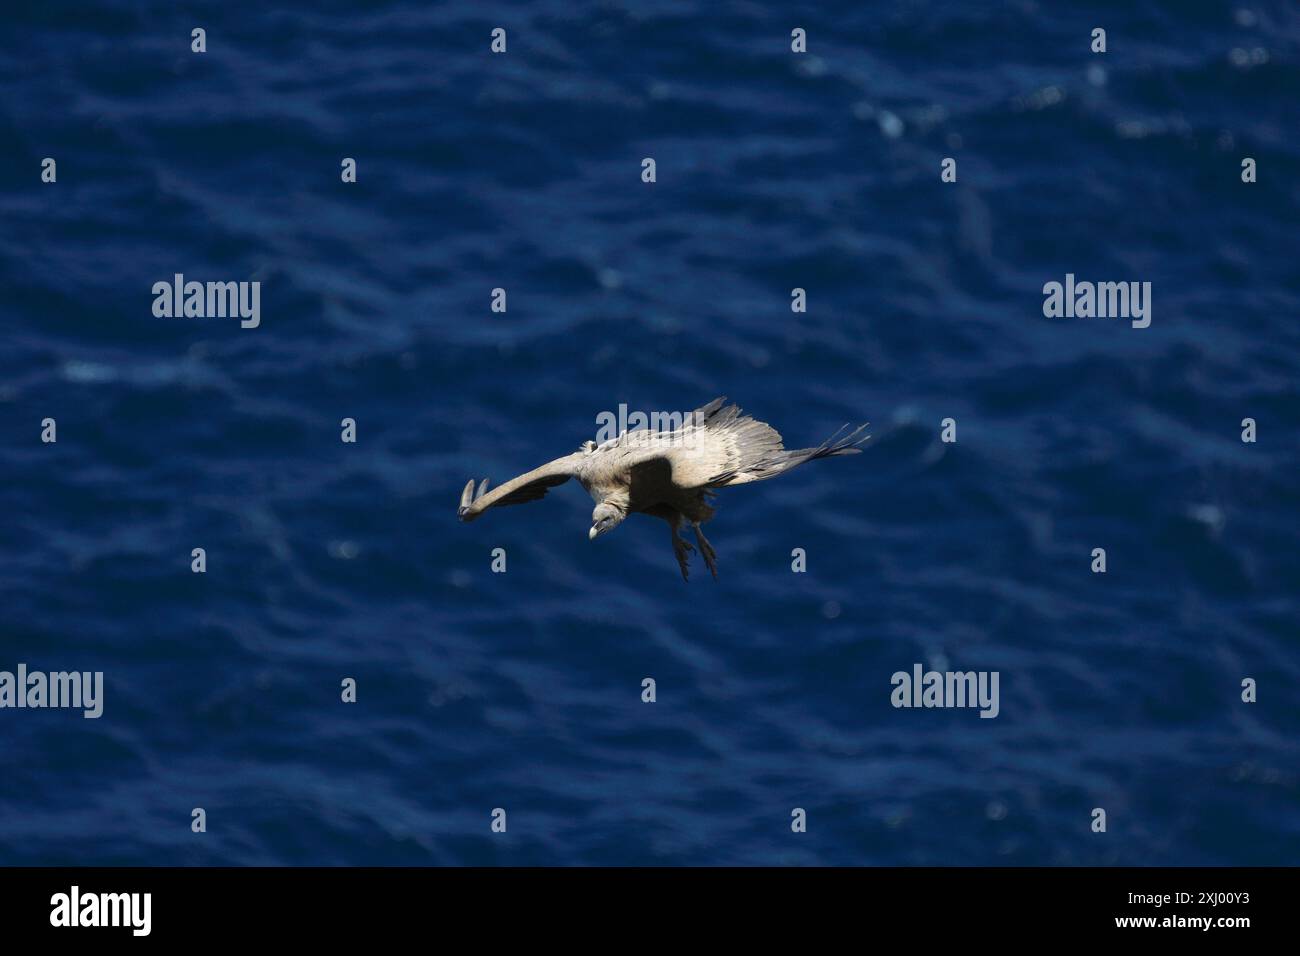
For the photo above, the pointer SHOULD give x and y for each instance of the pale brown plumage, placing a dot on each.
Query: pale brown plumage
(664, 474)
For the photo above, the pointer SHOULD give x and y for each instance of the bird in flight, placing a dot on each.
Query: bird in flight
(666, 474)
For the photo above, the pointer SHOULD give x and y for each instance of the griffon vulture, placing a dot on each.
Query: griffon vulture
(667, 474)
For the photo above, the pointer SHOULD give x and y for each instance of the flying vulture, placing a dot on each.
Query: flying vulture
(667, 474)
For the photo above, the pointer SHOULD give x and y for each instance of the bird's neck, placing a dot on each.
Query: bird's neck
(618, 499)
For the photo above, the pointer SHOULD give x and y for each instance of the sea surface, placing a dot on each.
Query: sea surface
(522, 690)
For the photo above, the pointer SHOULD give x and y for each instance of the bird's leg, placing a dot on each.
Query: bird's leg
(681, 548)
(706, 550)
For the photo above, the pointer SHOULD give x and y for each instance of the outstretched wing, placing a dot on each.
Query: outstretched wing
(715, 439)
(721, 446)
(527, 487)
(758, 469)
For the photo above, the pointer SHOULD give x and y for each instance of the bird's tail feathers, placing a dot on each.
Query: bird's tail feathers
(838, 444)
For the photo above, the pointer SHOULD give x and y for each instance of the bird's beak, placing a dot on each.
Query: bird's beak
(595, 530)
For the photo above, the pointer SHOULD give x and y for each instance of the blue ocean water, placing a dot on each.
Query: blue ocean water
(522, 690)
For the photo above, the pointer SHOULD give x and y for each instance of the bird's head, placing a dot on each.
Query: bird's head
(605, 517)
